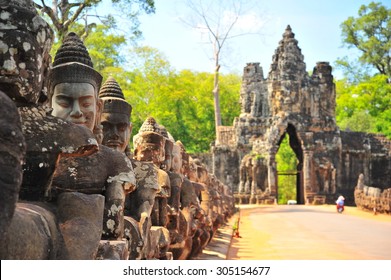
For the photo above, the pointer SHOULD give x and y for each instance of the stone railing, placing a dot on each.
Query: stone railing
(372, 199)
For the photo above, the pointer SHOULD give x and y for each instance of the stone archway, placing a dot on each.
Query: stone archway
(296, 146)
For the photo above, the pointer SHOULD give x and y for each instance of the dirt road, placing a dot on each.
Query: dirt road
(301, 232)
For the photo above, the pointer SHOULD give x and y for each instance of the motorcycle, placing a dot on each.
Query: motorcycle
(340, 208)
(340, 204)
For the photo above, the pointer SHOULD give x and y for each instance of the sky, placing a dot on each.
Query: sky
(316, 25)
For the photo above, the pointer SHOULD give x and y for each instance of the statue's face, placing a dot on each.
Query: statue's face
(75, 102)
(24, 54)
(167, 165)
(149, 152)
(116, 131)
(176, 163)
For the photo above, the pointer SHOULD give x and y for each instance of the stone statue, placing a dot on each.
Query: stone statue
(178, 225)
(117, 128)
(200, 178)
(73, 95)
(34, 229)
(115, 117)
(190, 203)
(149, 146)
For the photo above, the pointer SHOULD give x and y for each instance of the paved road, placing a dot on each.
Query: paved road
(299, 232)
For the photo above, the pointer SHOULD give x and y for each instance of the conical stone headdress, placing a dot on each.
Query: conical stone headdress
(113, 99)
(149, 133)
(150, 125)
(73, 64)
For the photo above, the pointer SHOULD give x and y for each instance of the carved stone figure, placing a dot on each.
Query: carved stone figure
(200, 178)
(115, 119)
(176, 178)
(73, 94)
(74, 84)
(149, 146)
(191, 202)
(26, 40)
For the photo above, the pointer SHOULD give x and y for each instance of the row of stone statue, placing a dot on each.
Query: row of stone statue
(70, 188)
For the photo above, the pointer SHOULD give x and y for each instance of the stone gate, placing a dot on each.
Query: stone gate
(290, 101)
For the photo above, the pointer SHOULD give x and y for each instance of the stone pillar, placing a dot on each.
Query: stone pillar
(272, 174)
(307, 166)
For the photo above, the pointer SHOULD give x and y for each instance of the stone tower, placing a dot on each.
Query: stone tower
(290, 101)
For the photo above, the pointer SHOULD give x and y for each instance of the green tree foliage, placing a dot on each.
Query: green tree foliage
(180, 101)
(104, 48)
(365, 106)
(229, 98)
(286, 161)
(370, 34)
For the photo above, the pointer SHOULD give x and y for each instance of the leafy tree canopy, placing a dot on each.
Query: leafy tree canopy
(181, 101)
(370, 34)
(365, 106)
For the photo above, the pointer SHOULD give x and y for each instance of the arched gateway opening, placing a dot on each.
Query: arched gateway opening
(289, 168)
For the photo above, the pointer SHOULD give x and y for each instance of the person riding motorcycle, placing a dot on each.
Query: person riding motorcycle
(340, 204)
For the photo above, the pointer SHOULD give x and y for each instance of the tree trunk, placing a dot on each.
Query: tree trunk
(216, 95)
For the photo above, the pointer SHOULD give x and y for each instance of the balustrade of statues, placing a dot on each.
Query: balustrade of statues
(70, 188)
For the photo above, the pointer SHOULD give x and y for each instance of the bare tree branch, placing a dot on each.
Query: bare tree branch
(219, 28)
(75, 15)
(52, 13)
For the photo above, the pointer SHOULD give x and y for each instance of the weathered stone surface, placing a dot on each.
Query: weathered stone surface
(25, 39)
(371, 198)
(113, 250)
(33, 234)
(80, 218)
(12, 151)
(135, 237)
(106, 172)
(160, 241)
(142, 199)
(48, 138)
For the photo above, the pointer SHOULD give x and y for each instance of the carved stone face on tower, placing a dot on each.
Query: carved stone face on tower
(115, 116)
(25, 42)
